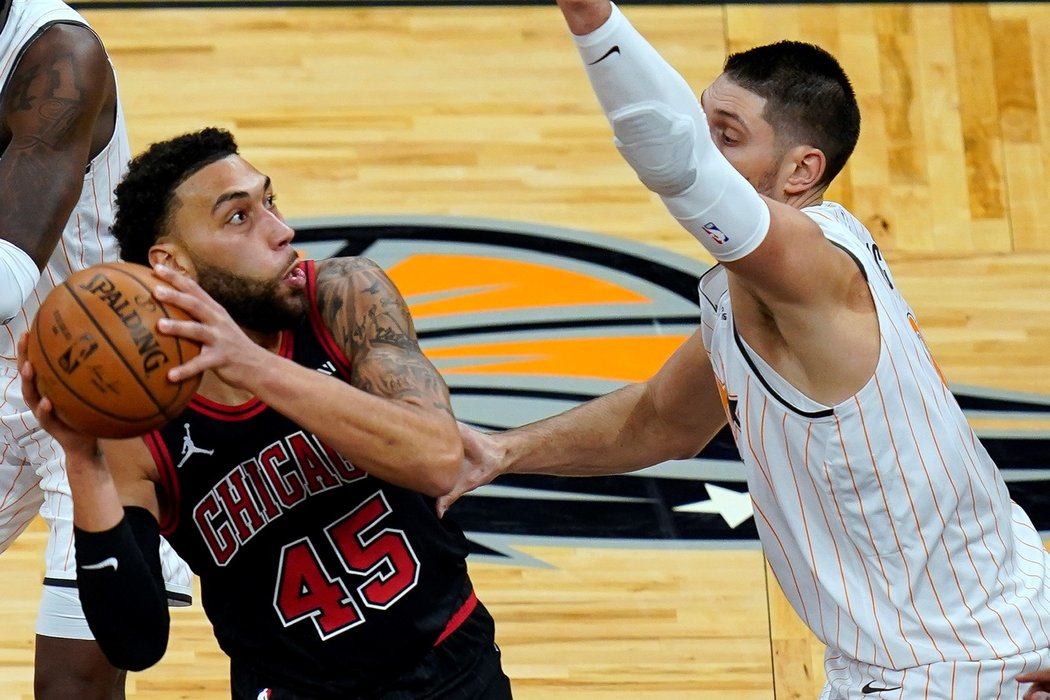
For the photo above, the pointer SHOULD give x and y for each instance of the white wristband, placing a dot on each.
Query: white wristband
(18, 278)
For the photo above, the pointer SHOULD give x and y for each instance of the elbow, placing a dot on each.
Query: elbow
(139, 659)
(135, 642)
(686, 443)
(443, 464)
(137, 655)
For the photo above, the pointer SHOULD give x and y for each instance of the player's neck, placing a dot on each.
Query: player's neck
(809, 198)
(270, 341)
(215, 389)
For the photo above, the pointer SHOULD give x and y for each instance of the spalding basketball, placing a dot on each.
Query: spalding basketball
(99, 357)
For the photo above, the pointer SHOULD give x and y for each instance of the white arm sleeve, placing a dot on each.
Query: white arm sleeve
(662, 132)
(18, 278)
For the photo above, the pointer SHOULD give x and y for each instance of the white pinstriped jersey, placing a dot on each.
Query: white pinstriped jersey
(887, 524)
(31, 470)
(86, 239)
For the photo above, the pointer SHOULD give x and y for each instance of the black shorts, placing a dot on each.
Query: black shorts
(465, 666)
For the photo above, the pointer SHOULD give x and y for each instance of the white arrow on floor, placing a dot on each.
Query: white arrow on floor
(733, 506)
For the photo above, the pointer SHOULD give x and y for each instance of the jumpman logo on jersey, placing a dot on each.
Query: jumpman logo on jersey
(189, 449)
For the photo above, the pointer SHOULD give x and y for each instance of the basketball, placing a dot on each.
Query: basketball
(99, 357)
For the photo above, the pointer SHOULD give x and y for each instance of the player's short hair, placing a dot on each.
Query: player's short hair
(146, 194)
(809, 99)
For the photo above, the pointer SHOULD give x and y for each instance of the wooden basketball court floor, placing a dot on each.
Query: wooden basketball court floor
(485, 112)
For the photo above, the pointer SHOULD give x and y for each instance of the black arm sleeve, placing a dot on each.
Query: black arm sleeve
(122, 589)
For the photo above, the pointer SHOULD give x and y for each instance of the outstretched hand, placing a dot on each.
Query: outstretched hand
(225, 348)
(482, 462)
(1040, 681)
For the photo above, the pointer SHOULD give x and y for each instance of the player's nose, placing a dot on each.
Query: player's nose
(279, 233)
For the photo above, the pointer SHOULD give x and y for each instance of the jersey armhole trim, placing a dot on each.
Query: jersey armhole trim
(321, 330)
(849, 252)
(772, 392)
(168, 486)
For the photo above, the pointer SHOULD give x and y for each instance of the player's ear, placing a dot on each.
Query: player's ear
(168, 254)
(809, 166)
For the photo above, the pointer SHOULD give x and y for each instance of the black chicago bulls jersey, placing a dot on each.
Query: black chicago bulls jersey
(311, 570)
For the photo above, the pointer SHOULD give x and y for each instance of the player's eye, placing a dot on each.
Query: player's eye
(237, 217)
(271, 200)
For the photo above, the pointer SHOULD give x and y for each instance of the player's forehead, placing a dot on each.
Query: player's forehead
(216, 181)
(727, 99)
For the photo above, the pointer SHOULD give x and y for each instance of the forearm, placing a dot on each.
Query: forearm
(96, 502)
(414, 446)
(663, 134)
(613, 434)
(624, 69)
(121, 590)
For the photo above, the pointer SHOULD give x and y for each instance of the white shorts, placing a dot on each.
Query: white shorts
(989, 679)
(32, 480)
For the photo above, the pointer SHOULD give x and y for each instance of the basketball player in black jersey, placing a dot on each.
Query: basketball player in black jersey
(300, 482)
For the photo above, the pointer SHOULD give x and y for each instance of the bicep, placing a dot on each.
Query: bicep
(50, 107)
(795, 265)
(370, 320)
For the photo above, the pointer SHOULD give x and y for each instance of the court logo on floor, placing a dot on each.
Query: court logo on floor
(527, 321)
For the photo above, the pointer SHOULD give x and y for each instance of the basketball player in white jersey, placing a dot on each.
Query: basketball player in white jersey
(887, 524)
(63, 148)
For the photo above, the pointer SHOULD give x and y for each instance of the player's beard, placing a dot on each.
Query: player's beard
(256, 305)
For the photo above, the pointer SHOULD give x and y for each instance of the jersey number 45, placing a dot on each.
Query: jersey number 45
(383, 561)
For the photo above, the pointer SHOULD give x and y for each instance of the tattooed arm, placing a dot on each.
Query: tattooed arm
(371, 322)
(398, 421)
(57, 110)
(393, 420)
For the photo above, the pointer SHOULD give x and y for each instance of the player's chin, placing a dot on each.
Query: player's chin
(293, 301)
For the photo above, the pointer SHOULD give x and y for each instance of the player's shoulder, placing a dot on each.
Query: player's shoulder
(66, 57)
(838, 224)
(340, 268)
(352, 274)
(66, 40)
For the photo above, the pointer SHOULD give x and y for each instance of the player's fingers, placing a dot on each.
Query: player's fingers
(196, 366)
(175, 278)
(195, 306)
(445, 502)
(191, 330)
(29, 392)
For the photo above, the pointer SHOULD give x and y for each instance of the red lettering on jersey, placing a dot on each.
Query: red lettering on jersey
(219, 537)
(235, 496)
(253, 470)
(315, 468)
(288, 487)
